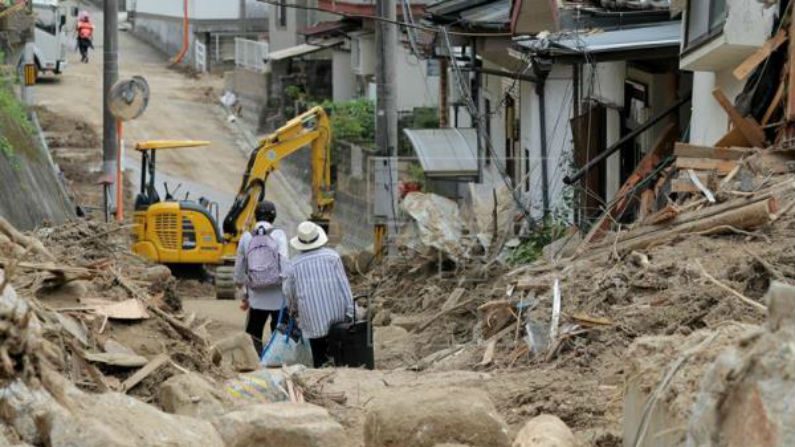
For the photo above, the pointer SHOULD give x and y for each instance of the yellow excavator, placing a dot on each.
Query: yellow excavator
(183, 232)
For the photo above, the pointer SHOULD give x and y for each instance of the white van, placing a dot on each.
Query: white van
(52, 35)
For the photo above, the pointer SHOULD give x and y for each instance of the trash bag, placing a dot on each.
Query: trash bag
(259, 386)
(286, 347)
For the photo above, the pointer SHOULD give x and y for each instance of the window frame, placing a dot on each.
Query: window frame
(281, 14)
(711, 33)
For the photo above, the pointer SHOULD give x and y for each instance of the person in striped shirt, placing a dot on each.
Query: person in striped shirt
(317, 289)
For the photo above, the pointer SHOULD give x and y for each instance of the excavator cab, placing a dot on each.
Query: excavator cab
(172, 231)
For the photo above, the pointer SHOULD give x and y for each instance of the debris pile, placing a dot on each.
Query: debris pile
(100, 328)
(693, 263)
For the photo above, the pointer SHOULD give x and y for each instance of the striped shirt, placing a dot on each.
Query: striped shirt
(317, 288)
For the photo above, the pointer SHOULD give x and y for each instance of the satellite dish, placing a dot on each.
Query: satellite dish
(129, 98)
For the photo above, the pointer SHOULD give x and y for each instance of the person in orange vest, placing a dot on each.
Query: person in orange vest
(85, 36)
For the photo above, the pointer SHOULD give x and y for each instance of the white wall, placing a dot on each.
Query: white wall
(559, 95)
(709, 122)
(197, 9)
(414, 87)
(343, 78)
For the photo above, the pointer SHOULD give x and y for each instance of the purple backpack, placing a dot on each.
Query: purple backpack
(263, 260)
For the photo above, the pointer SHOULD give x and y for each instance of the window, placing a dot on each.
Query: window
(433, 67)
(282, 13)
(705, 20)
(46, 18)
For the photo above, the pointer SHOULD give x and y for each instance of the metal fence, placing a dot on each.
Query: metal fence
(251, 54)
(200, 56)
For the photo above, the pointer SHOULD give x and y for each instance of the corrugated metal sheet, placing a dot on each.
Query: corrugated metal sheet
(445, 152)
(304, 49)
(496, 13)
(639, 38)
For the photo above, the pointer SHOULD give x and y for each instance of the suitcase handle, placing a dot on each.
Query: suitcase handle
(357, 298)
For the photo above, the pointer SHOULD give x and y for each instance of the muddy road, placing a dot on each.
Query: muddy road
(180, 107)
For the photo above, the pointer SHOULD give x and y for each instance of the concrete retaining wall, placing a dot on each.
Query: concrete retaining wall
(352, 207)
(31, 193)
(251, 88)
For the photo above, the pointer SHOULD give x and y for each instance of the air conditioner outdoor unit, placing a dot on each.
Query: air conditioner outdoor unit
(363, 54)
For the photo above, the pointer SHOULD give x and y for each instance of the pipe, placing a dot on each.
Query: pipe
(185, 35)
(542, 118)
(569, 179)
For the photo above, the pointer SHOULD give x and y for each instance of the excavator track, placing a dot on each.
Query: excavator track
(225, 282)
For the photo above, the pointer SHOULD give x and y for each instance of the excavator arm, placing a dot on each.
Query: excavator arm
(311, 129)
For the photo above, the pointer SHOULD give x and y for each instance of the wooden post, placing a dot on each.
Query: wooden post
(119, 174)
(444, 106)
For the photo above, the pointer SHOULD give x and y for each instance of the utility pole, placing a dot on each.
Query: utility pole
(386, 111)
(110, 75)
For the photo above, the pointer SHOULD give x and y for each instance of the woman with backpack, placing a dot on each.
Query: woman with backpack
(85, 36)
(261, 263)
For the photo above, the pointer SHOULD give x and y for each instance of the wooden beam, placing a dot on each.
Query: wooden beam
(144, 372)
(644, 168)
(748, 126)
(751, 62)
(733, 138)
(722, 167)
(722, 153)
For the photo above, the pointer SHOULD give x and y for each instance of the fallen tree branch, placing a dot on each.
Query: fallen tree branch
(743, 298)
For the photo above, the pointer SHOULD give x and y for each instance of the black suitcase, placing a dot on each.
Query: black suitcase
(351, 343)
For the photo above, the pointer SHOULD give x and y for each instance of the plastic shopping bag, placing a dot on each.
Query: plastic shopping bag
(286, 347)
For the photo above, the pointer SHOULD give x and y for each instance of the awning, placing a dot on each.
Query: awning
(641, 38)
(445, 152)
(304, 49)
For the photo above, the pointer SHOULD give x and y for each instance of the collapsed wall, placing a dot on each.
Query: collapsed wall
(32, 193)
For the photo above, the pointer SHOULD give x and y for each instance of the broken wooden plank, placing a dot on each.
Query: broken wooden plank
(144, 372)
(644, 168)
(733, 138)
(453, 298)
(754, 60)
(722, 153)
(588, 320)
(488, 354)
(752, 131)
(131, 309)
(722, 167)
(663, 215)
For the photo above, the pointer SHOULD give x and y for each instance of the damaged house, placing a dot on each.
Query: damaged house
(584, 84)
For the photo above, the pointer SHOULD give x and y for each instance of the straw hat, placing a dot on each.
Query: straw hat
(310, 236)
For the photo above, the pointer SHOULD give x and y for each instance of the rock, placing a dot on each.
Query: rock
(545, 431)
(156, 273)
(238, 351)
(191, 395)
(382, 318)
(119, 420)
(96, 420)
(429, 417)
(287, 424)
(745, 395)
